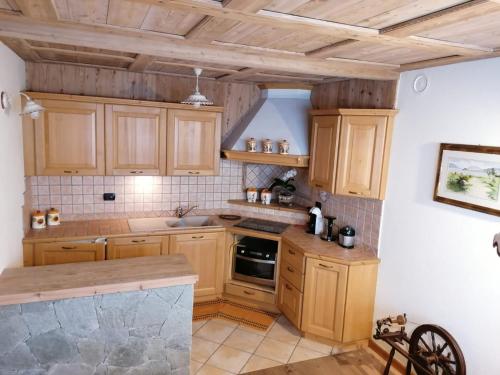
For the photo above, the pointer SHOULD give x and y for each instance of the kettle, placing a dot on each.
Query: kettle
(346, 237)
(315, 225)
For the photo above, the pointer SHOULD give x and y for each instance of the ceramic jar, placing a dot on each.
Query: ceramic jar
(267, 146)
(38, 220)
(251, 145)
(251, 195)
(265, 196)
(283, 147)
(53, 217)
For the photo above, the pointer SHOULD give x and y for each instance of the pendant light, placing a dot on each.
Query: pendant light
(197, 99)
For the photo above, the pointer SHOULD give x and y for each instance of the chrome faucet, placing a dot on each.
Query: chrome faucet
(180, 212)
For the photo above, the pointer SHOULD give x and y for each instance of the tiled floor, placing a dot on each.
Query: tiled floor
(221, 347)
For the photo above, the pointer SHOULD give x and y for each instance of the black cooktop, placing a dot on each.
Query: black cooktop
(263, 225)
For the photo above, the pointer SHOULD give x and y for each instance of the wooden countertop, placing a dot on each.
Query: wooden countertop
(88, 229)
(310, 245)
(48, 283)
(313, 246)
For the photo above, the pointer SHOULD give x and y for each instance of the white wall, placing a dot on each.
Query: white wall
(438, 264)
(12, 80)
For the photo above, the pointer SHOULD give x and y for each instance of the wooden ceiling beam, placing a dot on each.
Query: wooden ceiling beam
(237, 75)
(448, 16)
(312, 25)
(80, 53)
(21, 48)
(445, 61)
(141, 63)
(329, 51)
(193, 65)
(136, 41)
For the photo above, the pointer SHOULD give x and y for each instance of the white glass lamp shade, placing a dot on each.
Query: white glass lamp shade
(197, 99)
(31, 108)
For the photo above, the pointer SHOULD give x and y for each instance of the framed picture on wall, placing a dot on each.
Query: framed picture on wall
(469, 176)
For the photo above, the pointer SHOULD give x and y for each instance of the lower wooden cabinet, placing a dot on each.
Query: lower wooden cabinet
(290, 302)
(45, 254)
(324, 298)
(131, 247)
(205, 253)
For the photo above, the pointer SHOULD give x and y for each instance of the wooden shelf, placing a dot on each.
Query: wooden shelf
(299, 161)
(273, 205)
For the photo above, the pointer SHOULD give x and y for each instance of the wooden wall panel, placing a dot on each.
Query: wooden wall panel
(237, 98)
(355, 93)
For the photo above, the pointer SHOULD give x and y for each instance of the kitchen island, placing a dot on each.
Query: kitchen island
(120, 316)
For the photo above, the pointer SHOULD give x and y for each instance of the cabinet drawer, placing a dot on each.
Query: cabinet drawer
(293, 257)
(131, 247)
(67, 252)
(249, 293)
(293, 275)
(290, 302)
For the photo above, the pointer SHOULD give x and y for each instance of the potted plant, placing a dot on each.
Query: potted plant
(286, 187)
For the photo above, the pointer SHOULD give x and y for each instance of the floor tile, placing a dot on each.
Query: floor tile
(215, 330)
(243, 340)
(314, 345)
(275, 350)
(258, 363)
(229, 359)
(198, 324)
(194, 366)
(303, 354)
(202, 349)
(211, 370)
(260, 332)
(284, 331)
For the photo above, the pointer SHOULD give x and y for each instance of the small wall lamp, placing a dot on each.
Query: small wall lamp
(4, 101)
(31, 108)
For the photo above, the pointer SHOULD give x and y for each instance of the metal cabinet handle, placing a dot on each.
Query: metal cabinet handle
(355, 192)
(138, 241)
(191, 172)
(288, 287)
(249, 293)
(291, 252)
(290, 269)
(68, 171)
(197, 237)
(325, 266)
(136, 172)
(318, 186)
(69, 247)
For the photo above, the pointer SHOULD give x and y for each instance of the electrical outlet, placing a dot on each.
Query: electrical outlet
(109, 196)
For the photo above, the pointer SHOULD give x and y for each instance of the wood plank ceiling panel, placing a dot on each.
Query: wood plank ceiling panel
(484, 30)
(9, 5)
(127, 13)
(168, 21)
(368, 13)
(85, 11)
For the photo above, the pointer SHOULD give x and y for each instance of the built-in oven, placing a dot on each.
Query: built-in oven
(254, 261)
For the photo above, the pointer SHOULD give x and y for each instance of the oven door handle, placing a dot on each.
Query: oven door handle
(255, 260)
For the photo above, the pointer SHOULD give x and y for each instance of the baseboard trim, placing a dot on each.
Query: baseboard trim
(398, 366)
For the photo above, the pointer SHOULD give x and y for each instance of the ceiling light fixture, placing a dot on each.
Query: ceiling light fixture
(197, 99)
(31, 108)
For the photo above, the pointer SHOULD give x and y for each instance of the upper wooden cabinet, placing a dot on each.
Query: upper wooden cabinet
(350, 151)
(324, 142)
(193, 143)
(69, 139)
(136, 140)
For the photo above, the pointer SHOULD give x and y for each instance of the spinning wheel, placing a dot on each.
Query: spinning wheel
(432, 350)
(435, 351)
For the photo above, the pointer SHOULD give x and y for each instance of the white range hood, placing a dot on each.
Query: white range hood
(279, 114)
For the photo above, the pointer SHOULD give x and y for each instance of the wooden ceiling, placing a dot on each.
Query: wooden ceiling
(257, 41)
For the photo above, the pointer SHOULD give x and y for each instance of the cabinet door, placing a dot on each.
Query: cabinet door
(67, 252)
(131, 247)
(69, 138)
(361, 155)
(193, 142)
(324, 144)
(204, 252)
(136, 140)
(324, 299)
(290, 302)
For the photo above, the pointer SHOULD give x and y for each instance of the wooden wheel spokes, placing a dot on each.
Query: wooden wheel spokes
(434, 351)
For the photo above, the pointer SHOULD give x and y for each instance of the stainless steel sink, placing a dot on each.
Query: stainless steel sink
(157, 224)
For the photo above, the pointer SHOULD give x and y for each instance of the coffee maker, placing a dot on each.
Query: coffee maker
(315, 225)
(327, 233)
